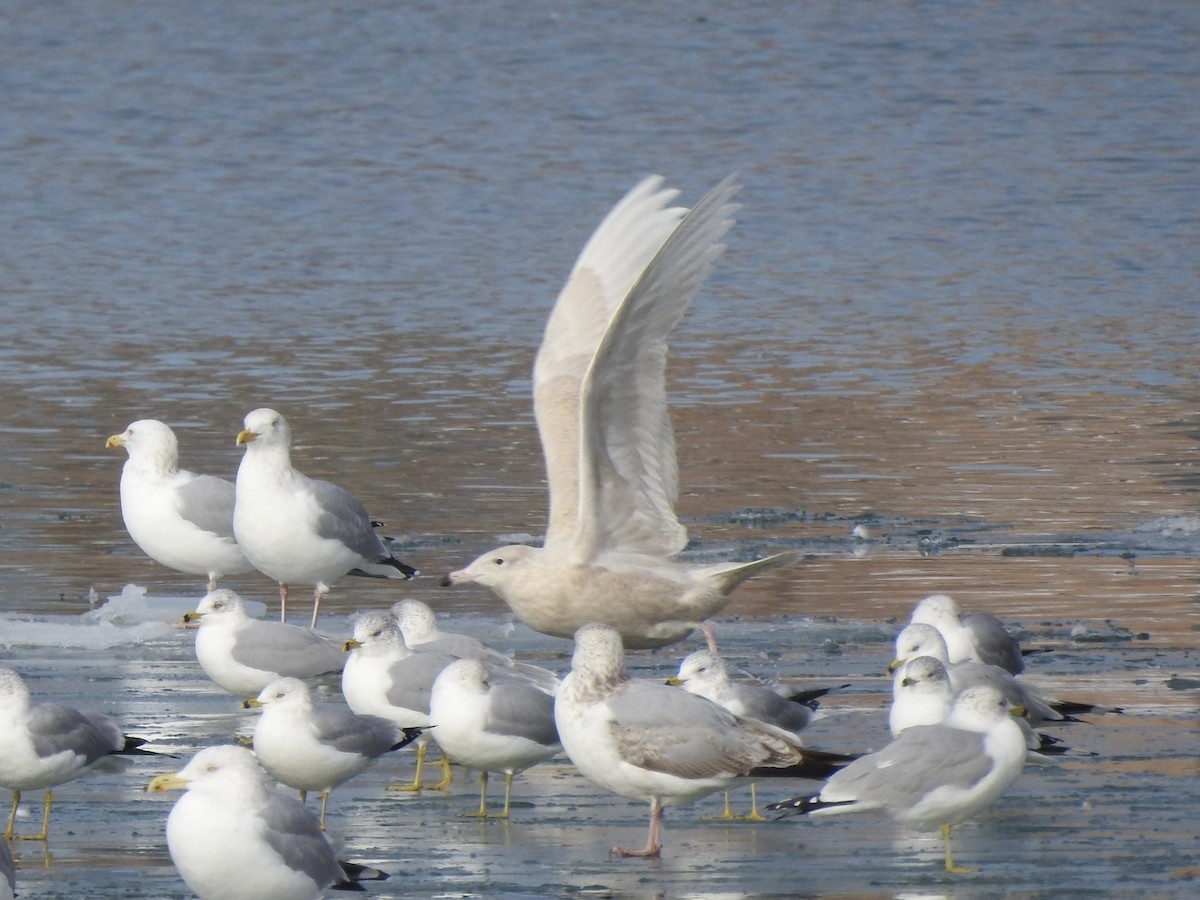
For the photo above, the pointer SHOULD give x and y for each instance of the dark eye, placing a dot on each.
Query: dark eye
(499, 560)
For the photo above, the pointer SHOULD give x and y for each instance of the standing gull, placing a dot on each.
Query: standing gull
(419, 627)
(647, 741)
(970, 637)
(504, 726)
(296, 529)
(932, 776)
(47, 744)
(178, 518)
(243, 655)
(601, 407)
(925, 640)
(232, 837)
(923, 695)
(384, 678)
(704, 673)
(316, 747)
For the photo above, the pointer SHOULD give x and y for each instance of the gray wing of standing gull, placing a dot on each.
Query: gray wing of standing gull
(412, 679)
(54, 728)
(294, 834)
(993, 643)
(207, 502)
(666, 730)
(923, 759)
(286, 649)
(343, 518)
(763, 704)
(521, 711)
(368, 736)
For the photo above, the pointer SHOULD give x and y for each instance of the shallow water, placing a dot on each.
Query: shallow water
(958, 309)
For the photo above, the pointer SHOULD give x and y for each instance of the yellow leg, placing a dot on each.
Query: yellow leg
(9, 832)
(728, 813)
(482, 813)
(416, 782)
(754, 815)
(324, 801)
(45, 832)
(447, 775)
(950, 866)
(507, 794)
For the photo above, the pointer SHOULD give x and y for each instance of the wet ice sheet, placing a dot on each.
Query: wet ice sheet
(1124, 817)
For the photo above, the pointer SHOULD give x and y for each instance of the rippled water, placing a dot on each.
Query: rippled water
(959, 308)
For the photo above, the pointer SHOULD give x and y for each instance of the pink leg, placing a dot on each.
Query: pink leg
(283, 592)
(654, 845)
(710, 636)
(317, 595)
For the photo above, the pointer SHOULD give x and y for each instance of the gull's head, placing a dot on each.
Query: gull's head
(13, 692)
(283, 694)
(148, 441)
(376, 634)
(416, 620)
(937, 609)
(495, 568)
(227, 770)
(700, 673)
(924, 674)
(265, 427)
(919, 640)
(221, 605)
(599, 655)
(978, 708)
(466, 675)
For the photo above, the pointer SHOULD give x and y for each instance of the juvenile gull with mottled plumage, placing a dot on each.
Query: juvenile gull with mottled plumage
(601, 408)
(648, 741)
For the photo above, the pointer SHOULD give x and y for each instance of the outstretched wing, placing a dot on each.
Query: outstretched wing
(612, 262)
(628, 473)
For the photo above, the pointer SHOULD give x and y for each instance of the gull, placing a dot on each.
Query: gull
(704, 673)
(243, 655)
(925, 640)
(47, 744)
(648, 741)
(232, 837)
(601, 408)
(932, 776)
(313, 747)
(970, 637)
(419, 626)
(492, 726)
(384, 678)
(923, 695)
(178, 518)
(296, 529)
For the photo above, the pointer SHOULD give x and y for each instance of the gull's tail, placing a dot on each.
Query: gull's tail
(729, 575)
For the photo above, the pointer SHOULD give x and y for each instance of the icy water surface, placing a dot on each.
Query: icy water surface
(958, 310)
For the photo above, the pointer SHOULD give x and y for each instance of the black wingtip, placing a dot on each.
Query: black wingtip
(356, 873)
(799, 806)
(133, 747)
(410, 735)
